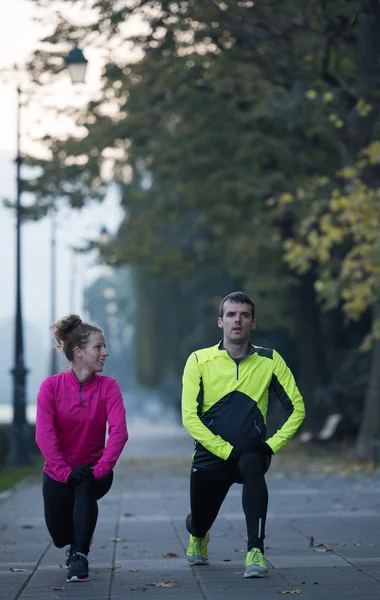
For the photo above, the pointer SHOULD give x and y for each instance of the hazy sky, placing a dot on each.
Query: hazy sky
(18, 35)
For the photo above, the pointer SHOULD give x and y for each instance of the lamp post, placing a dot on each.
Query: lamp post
(53, 285)
(19, 446)
(76, 64)
(19, 452)
(77, 67)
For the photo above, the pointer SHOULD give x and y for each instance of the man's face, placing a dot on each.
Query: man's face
(237, 322)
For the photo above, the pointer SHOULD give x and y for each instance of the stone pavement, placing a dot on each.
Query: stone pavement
(322, 535)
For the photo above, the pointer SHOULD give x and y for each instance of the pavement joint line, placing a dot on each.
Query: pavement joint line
(359, 568)
(194, 569)
(27, 580)
(114, 552)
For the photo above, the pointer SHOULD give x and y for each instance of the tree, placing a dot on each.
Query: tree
(202, 130)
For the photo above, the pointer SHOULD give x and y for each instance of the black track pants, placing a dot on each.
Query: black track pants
(209, 488)
(71, 513)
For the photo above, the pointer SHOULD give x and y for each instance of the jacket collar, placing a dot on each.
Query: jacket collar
(74, 379)
(251, 349)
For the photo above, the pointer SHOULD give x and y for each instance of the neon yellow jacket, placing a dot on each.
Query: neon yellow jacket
(225, 401)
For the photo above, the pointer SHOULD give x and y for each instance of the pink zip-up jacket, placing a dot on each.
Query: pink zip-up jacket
(72, 420)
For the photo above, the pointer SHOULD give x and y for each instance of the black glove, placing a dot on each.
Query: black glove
(250, 446)
(259, 446)
(79, 474)
(237, 450)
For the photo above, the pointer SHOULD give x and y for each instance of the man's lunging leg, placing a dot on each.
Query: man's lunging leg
(252, 469)
(208, 489)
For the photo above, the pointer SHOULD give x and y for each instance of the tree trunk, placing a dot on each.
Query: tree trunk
(370, 426)
(313, 379)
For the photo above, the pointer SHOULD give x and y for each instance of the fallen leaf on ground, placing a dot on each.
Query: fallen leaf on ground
(169, 555)
(27, 527)
(115, 567)
(226, 560)
(311, 541)
(15, 570)
(356, 544)
(117, 539)
(128, 515)
(323, 548)
(166, 584)
(57, 588)
(291, 592)
(133, 570)
(139, 589)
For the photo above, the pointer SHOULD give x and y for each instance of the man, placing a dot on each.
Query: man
(224, 408)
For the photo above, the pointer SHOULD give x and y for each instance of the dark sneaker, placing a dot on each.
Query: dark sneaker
(78, 568)
(70, 551)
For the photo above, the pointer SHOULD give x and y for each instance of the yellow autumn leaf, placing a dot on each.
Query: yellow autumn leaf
(311, 94)
(286, 198)
(328, 97)
(347, 172)
(363, 108)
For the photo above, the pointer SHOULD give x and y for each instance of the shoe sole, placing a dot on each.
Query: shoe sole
(247, 575)
(75, 578)
(198, 562)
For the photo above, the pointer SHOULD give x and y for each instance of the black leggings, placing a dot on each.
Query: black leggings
(71, 513)
(208, 490)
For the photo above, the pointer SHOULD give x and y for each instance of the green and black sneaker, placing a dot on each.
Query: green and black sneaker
(196, 553)
(254, 564)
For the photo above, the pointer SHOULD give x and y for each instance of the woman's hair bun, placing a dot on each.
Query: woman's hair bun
(64, 326)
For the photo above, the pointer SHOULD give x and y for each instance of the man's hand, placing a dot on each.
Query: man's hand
(257, 446)
(79, 474)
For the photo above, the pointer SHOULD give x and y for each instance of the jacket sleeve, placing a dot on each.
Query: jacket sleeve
(192, 393)
(46, 437)
(284, 386)
(117, 432)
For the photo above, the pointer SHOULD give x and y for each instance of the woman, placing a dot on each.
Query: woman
(73, 409)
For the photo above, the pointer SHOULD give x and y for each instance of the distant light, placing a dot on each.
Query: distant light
(77, 64)
(109, 293)
(105, 236)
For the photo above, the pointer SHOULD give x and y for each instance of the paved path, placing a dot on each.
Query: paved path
(323, 535)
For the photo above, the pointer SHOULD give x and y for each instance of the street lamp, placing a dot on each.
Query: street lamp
(19, 451)
(76, 64)
(53, 286)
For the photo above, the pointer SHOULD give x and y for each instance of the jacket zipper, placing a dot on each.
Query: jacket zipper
(238, 364)
(80, 394)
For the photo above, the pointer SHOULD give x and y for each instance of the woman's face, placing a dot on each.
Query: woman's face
(94, 354)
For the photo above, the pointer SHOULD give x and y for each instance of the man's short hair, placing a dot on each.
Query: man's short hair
(240, 298)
